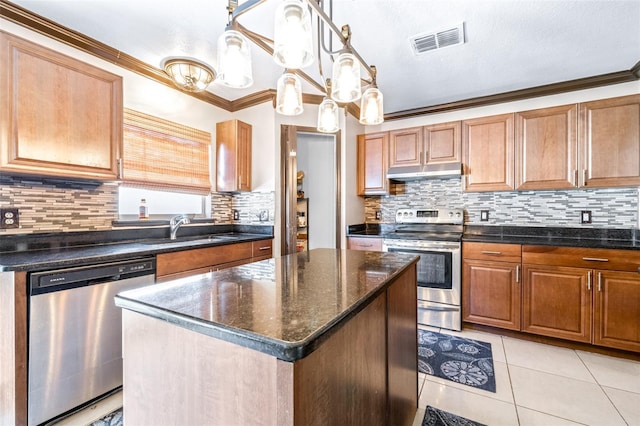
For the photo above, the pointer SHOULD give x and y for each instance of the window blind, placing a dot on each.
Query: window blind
(158, 153)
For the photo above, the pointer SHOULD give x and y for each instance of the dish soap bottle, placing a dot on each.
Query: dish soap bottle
(144, 211)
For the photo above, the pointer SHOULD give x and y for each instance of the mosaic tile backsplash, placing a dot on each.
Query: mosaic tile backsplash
(610, 207)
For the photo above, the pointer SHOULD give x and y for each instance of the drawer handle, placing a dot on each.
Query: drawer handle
(265, 248)
(493, 253)
(366, 245)
(595, 259)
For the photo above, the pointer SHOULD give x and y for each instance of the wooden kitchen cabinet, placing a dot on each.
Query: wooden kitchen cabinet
(201, 260)
(583, 294)
(233, 156)
(434, 144)
(616, 307)
(62, 117)
(364, 243)
(488, 153)
(406, 147)
(609, 142)
(546, 148)
(556, 302)
(491, 284)
(373, 162)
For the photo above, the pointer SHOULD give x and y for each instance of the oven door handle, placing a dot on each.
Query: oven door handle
(423, 249)
(438, 308)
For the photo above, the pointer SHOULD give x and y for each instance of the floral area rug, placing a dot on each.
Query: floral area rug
(435, 417)
(461, 360)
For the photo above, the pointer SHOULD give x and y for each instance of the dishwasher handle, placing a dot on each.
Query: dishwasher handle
(62, 279)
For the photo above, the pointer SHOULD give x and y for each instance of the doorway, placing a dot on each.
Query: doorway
(317, 156)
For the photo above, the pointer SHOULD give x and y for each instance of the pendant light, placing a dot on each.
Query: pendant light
(293, 40)
(234, 60)
(328, 116)
(289, 95)
(371, 111)
(189, 74)
(346, 84)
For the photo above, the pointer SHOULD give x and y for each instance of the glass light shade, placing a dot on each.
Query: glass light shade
(328, 117)
(293, 40)
(234, 60)
(289, 95)
(345, 82)
(371, 111)
(188, 74)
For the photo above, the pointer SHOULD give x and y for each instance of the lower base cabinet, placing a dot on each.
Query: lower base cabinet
(578, 294)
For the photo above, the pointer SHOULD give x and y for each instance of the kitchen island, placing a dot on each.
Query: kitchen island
(320, 337)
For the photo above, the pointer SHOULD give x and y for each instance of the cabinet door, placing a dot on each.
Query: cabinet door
(546, 148)
(610, 142)
(60, 116)
(405, 147)
(556, 302)
(491, 293)
(617, 310)
(373, 162)
(442, 143)
(233, 156)
(487, 153)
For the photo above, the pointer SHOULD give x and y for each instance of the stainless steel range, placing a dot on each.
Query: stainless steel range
(434, 235)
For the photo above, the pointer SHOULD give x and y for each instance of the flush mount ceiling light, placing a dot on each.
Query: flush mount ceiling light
(292, 48)
(189, 74)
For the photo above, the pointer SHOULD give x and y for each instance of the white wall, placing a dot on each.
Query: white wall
(316, 157)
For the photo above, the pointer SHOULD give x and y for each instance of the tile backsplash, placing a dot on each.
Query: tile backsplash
(56, 205)
(610, 207)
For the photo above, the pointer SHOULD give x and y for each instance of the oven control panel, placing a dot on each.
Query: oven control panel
(438, 216)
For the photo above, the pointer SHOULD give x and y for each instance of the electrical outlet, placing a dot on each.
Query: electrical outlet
(263, 215)
(378, 215)
(585, 216)
(9, 218)
(484, 215)
(236, 214)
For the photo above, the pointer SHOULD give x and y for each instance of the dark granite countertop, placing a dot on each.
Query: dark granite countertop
(535, 235)
(62, 250)
(285, 307)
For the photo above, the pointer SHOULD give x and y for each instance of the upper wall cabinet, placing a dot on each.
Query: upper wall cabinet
(435, 144)
(546, 148)
(233, 156)
(609, 142)
(58, 116)
(487, 153)
(373, 162)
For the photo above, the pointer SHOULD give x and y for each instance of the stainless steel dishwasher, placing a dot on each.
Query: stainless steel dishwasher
(75, 334)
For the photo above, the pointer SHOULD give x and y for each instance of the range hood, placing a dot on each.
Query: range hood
(425, 171)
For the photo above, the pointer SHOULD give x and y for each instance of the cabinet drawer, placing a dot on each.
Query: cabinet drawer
(492, 251)
(170, 263)
(579, 257)
(360, 243)
(262, 249)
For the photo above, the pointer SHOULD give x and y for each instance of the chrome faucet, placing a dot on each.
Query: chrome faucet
(176, 222)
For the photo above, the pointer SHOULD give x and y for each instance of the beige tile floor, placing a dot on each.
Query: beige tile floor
(541, 385)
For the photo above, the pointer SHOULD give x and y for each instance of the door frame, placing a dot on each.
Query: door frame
(288, 185)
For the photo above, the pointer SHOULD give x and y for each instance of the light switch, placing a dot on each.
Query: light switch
(585, 216)
(484, 215)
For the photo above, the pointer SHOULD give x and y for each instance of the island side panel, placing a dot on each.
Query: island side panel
(177, 376)
(343, 382)
(403, 348)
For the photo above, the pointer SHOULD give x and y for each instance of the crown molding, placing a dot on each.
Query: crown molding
(517, 95)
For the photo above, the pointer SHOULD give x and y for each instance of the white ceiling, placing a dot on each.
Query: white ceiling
(510, 44)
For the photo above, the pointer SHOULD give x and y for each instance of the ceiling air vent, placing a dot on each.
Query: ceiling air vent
(422, 43)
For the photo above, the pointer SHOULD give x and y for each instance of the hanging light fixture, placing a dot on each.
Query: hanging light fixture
(234, 60)
(371, 104)
(346, 79)
(189, 74)
(293, 40)
(328, 114)
(289, 95)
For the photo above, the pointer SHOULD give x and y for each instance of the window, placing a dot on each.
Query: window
(161, 204)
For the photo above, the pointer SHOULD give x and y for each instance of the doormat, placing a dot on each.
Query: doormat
(435, 417)
(454, 358)
(111, 419)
